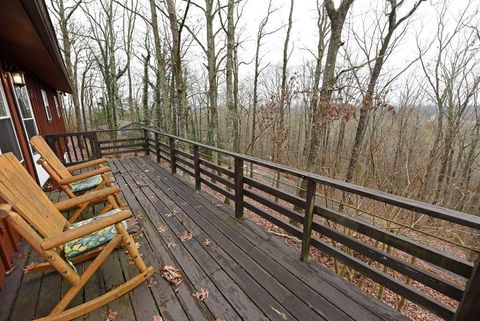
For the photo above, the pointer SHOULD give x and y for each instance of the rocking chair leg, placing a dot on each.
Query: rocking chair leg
(131, 247)
(101, 300)
(68, 297)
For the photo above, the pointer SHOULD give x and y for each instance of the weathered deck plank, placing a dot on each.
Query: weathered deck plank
(249, 273)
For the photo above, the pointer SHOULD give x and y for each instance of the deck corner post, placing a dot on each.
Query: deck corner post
(469, 309)
(238, 187)
(308, 219)
(173, 160)
(196, 164)
(146, 143)
(157, 147)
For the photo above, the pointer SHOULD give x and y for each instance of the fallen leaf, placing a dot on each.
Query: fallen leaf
(162, 229)
(202, 294)
(186, 236)
(151, 282)
(171, 274)
(281, 314)
(219, 320)
(30, 267)
(7, 273)
(171, 214)
(110, 315)
(157, 318)
(171, 244)
(207, 242)
(183, 203)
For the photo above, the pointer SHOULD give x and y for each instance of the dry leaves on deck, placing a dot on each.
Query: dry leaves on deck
(186, 236)
(171, 244)
(110, 315)
(207, 242)
(162, 229)
(29, 267)
(157, 318)
(171, 274)
(171, 214)
(202, 294)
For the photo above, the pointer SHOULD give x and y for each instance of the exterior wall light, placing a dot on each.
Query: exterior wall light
(18, 78)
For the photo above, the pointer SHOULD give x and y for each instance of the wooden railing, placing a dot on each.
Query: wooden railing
(340, 230)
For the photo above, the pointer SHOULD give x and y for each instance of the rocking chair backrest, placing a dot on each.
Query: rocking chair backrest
(21, 191)
(48, 155)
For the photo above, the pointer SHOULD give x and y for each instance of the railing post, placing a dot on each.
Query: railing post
(96, 145)
(196, 165)
(173, 160)
(469, 308)
(238, 187)
(157, 146)
(146, 144)
(307, 222)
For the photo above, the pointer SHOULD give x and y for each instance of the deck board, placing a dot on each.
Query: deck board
(250, 274)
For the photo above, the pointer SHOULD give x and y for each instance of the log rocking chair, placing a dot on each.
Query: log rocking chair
(74, 184)
(39, 221)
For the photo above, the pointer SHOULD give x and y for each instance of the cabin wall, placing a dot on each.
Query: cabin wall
(9, 239)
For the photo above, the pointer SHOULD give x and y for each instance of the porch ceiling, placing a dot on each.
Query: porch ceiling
(27, 36)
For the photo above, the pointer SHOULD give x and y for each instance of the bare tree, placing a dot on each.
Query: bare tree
(369, 96)
(64, 14)
(176, 28)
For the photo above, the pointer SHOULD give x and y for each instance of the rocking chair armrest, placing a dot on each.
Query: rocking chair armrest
(83, 230)
(86, 198)
(81, 176)
(91, 163)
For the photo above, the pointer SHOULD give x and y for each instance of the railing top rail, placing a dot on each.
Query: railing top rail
(391, 199)
(400, 201)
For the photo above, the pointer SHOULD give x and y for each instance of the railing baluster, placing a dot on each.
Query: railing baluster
(147, 145)
(238, 187)
(81, 145)
(65, 140)
(96, 146)
(87, 146)
(157, 147)
(196, 164)
(308, 219)
(173, 161)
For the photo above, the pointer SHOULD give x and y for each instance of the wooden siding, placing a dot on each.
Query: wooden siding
(45, 126)
(8, 238)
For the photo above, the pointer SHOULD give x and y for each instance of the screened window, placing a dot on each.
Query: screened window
(57, 106)
(8, 137)
(48, 111)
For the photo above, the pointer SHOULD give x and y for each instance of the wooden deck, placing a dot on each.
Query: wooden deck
(249, 273)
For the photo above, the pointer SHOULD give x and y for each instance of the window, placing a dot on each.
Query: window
(8, 136)
(57, 106)
(25, 107)
(48, 111)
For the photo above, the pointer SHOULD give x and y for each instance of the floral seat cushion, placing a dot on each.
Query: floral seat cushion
(87, 183)
(91, 241)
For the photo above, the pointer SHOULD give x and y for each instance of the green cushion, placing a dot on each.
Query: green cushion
(91, 241)
(87, 183)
